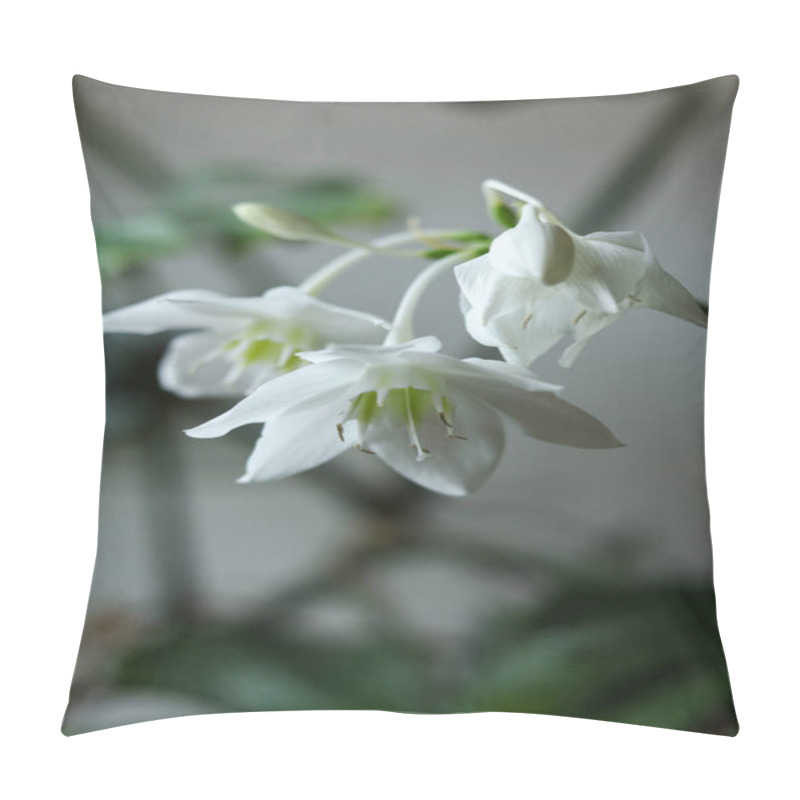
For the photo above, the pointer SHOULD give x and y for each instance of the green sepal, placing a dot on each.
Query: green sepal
(440, 252)
(503, 215)
(470, 236)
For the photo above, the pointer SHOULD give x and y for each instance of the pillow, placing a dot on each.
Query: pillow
(404, 407)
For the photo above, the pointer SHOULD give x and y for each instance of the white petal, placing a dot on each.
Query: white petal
(608, 266)
(534, 249)
(159, 314)
(543, 415)
(523, 335)
(586, 327)
(660, 291)
(239, 309)
(190, 368)
(455, 466)
(292, 305)
(316, 384)
(295, 442)
(332, 323)
(477, 328)
(510, 373)
(488, 291)
(480, 370)
(373, 354)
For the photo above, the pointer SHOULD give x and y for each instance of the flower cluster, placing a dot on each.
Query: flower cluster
(323, 379)
(541, 281)
(239, 343)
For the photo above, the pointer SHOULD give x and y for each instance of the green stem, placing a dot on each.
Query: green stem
(492, 185)
(402, 326)
(314, 284)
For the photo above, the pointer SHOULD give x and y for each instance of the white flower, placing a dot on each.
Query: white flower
(540, 281)
(240, 342)
(434, 419)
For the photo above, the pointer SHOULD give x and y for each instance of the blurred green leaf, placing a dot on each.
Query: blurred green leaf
(644, 657)
(693, 701)
(640, 656)
(217, 666)
(136, 240)
(335, 199)
(197, 207)
(241, 671)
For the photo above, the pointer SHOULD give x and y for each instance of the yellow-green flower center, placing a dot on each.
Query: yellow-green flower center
(271, 344)
(404, 407)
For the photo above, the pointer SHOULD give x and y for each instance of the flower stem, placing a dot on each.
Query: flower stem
(315, 283)
(493, 185)
(402, 326)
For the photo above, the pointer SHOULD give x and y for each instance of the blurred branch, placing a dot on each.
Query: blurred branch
(100, 134)
(167, 508)
(655, 149)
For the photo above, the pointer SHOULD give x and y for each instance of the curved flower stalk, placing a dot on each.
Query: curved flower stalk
(238, 343)
(541, 281)
(434, 419)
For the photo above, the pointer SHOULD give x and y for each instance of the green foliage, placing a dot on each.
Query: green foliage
(220, 667)
(244, 670)
(137, 240)
(641, 655)
(647, 656)
(197, 209)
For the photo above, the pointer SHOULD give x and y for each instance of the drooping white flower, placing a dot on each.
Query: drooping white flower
(434, 419)
(238, 343)
(541, 281)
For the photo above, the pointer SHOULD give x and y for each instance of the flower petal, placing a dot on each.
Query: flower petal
(332, 323)
(294, 442)
(195, 365)
(316, 384)
(488, 291)
(371, 354)
(455, 466)
(541, 414)
(159, 314)
(585, 328)
(523, 337)
(608, 266)
(292, 305)
(512, 374)
(660, 291)
(479, 370)
(534, 249)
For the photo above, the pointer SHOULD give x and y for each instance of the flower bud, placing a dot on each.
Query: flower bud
(282, 224)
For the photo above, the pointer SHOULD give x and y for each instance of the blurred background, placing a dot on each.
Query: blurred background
(574, 582)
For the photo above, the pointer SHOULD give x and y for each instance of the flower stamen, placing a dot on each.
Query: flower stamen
(445, 407)
(412, 428)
